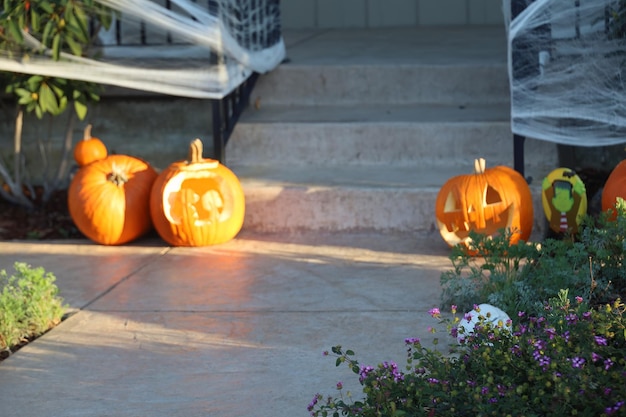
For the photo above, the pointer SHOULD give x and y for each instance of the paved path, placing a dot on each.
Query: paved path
(232, 330)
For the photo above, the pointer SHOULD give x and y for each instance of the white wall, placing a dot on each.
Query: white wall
(300, 14)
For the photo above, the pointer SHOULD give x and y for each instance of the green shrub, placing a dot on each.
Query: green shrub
(29, 305)
(521, 277)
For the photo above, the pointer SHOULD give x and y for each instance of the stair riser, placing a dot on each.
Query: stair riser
(319, 85)
(300, 209)
(400, 144)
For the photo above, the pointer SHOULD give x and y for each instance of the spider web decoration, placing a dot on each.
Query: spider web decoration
(566, 61)
(174, 47)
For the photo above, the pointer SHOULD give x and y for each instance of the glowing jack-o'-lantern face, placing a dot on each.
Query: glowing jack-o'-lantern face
(485, 202)
(197, 202)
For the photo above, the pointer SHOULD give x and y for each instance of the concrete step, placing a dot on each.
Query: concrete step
(293, 84)
(385, 198)
(402, 135)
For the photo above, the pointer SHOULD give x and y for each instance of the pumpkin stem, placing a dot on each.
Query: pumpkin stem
(117, 176)
(87, 132)
(479, 166)
(195, 151)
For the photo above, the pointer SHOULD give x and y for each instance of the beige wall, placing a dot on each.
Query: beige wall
(300, 14)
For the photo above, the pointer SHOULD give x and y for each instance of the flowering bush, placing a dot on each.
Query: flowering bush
(570, 360)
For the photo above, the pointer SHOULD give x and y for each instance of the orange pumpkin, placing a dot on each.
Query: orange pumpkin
(197, 202)
(109, 199)
(614, 188)
(89, 149)
(484, 202)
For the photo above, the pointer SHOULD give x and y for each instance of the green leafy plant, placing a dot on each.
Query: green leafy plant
(56, 29)
(567, 361)
(29, 305)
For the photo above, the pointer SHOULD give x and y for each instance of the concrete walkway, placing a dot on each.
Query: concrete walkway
(232, 330)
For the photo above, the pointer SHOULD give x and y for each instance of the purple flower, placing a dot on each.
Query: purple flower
(614, 409)
(468, 317)
(600, 341)
(484, 390)
(412, 340)
(365, 372)
(433, 380)
(571, 318)
(608, 363)
(453, 308)
(520, 314)
(595, 357)
(577, 362)
(587, 315)
(579, 299)
(339, 385)
(313, 402)
(454, 332)
(551, 331)
(434, 312)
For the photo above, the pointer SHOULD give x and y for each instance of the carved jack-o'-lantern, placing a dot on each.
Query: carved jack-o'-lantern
(484, 202)
(197, 202)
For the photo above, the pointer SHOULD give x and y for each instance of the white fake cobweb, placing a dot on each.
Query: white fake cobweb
(174, 47)
(566, 69)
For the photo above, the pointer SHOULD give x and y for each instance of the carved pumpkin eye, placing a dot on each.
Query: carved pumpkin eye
(452, 204)
(492, 196)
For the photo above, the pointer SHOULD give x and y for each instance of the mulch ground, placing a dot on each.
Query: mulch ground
(46, 222)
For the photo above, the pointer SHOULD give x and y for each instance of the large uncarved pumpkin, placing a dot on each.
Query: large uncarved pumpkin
(109, 199)
(197, 202)
(485, 202)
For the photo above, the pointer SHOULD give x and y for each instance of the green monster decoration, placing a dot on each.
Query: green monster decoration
(564, 200)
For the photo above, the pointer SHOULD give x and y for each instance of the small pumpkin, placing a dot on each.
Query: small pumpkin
(89, 149)
(614, 189)
(484, 202)
(197, 202)
(564, 200)
(108, 199)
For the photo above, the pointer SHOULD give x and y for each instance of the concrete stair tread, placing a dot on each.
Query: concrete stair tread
(378, 113)
(369, 177)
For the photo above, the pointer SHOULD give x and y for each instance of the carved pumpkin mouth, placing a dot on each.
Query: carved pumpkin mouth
(455, 231)
(195, 199)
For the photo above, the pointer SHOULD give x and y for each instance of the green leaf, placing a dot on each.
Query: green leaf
(75, 47)
(25, 100)
(47, 30)
(47, 7)
(48, 100)
(15, 31)
(56, 47)
(350, 352)
(81, 110)
(34, 20)
(22, 92)
(34, 82)
(338, 362)
(39, 112)
(62, 105)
